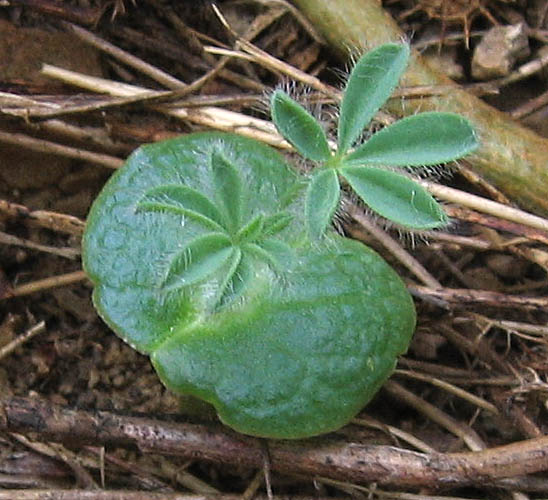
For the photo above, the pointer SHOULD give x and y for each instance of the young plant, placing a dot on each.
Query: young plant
(197, 251)
(199, 257)
(421, 140)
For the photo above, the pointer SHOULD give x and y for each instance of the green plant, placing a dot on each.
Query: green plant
(199, 258)
(198, 255)
(420, 140)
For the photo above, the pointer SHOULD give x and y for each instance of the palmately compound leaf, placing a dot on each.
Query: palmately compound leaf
(201, 258)
(395, 197)
(424, 139)
(322, 198)
(299, 127)
(184, 201)
(371, 82)
(286, 337)
(127, 249)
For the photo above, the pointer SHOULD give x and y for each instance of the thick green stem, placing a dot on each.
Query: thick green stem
(512, 157)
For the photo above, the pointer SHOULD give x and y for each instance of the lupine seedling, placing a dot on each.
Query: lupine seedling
(424, 139)
(200, 258)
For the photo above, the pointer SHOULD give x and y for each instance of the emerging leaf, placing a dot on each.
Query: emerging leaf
(395, 197)
(423, 139)
(200, 259)
(371, 82)
(322, 198)
(299, 127)
(182, 200)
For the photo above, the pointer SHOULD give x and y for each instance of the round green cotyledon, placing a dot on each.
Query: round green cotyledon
(199, 258)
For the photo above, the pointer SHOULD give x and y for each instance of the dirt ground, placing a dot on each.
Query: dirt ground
(475, 376)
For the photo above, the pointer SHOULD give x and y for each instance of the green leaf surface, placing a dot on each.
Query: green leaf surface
(273, 224)
(287, 341)
(253, 230)
(280, 252)
(275, 253)
(184, 201)
(241, 278)
(228, 184)
(128, 248)
(322, 198)
(395, 197)
(424, 139)
(197, 261)
(306, 356)
(224, 291)
(371, 82)
(260, 253)
(299, 127)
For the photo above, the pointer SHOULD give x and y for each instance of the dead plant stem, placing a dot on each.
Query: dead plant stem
(46, 283)
(324, 457)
